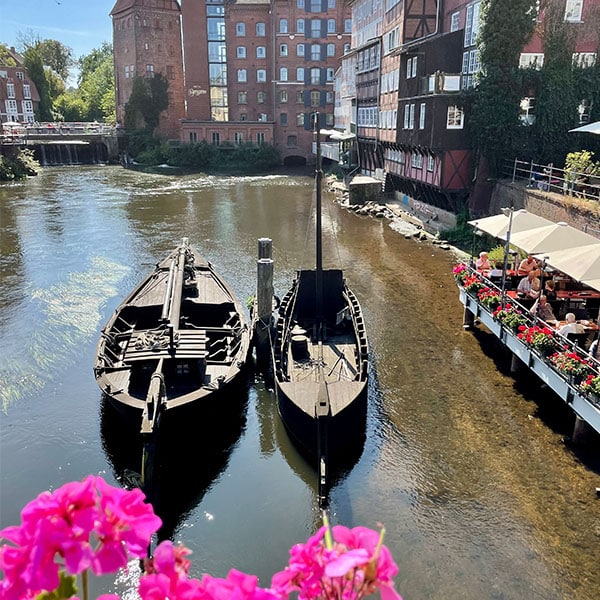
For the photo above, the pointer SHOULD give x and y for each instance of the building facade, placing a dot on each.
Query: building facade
(19, 96)
(146, 41)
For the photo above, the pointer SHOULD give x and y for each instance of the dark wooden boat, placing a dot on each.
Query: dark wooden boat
(321, 361)
(179, 339)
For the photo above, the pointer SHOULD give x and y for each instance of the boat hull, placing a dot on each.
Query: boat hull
(321, 380)
(181, 337)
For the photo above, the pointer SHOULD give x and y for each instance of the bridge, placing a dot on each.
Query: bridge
(63, 143)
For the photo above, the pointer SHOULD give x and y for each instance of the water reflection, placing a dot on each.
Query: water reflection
(185, 458)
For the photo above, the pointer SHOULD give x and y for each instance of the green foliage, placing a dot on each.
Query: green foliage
(463, 236)
(35, 68)
(582, 162)
(6, 60)
(56, 56)
(149, 98)
(17, 165)
(66, 588)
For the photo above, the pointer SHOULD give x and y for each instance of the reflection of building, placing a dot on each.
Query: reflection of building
(255, 70)
(147, 40)
(19, 96)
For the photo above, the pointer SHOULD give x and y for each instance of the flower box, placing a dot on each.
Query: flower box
(549, 376)
(517, 347)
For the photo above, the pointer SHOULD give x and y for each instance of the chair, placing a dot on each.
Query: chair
(579, 339)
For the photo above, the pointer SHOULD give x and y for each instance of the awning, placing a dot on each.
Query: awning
(497, 225)
(582, 263)
(558, 236)
(589, 128)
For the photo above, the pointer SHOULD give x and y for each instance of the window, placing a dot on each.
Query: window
(126, 71)
(583, 111)
(315, 98)
(455, 21)
(573, 10)
(26, 90)
(527, 111)
(193, 137)
(406, 115)
(283, 74)
(260, 29)
(422, 116)
(330, 49)
(218, 74)
(261, 75)
(261, 52)
(315, 28)
(262, 117)
(283, 50)
(330, 73)
(315, 52)
(261, 98)
(330, 3)
(216, 138)
(11, 106)
(300, 119)
(329, 97)
(149, 70)
(455, 118)
(430, 163)
(416, 161)
(330, 25)
(408, 68)
(315, 76)
(346, 48)
(414, 67)
(472, 24)
(329, 120)
(242, 76)
(530, 60)
(348, 26)
(20, 75)
(292, 141)
(283, 119)
(584, 59)
(260, 136)
(300, 97)
(411, 117)
(300, 3)
(243, 117)
(238, 137)
(300, 50)
(240, 29)
(242, 97)
(283, 96)
(217, 52)
(300, 25)
(283, 25)
(241, 51)
(300, 74)
(315, 5)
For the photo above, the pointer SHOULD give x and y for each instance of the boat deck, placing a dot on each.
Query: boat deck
(336, 356)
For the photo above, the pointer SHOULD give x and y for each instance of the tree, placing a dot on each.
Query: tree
(494, 120)
(96, 84)
(6, 60)
(35, 69)
(149, 98)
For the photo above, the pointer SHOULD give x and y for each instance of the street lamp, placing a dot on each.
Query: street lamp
(542, 271)
(507, 212)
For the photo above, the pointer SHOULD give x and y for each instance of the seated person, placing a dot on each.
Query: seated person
(550, 290)
(527, 264)
(571, 326)
(594, 350)
(529, 286)
(542, 309)
(483, 263)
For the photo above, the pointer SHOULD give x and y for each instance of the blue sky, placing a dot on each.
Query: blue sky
(80, 24)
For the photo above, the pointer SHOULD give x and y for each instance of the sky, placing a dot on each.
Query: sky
(82, 25)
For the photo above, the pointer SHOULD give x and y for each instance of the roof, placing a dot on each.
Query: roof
(123, 5)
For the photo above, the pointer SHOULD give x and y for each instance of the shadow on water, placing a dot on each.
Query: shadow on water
(550, 408)
(188, 455)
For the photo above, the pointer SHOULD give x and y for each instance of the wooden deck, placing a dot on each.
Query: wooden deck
(146, 345)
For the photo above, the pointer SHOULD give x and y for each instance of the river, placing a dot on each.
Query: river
(463, 464)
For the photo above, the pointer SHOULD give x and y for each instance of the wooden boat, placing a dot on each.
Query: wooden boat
(176, 341)
(321, 361)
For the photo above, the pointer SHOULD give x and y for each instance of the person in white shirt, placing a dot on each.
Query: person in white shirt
(571, 326)
(542, 309)
(529, 286)
(483, 263)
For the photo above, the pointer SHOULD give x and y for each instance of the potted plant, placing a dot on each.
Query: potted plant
(489, 297)
(540, 339)
(591, 386)
(460, 272)
(472, 284)
(571, 364)
(510, 316)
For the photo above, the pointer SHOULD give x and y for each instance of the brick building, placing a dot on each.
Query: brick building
(19, 96)
(255, 70)
(147, 40)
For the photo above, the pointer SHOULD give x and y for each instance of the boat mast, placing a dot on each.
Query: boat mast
(319, 248)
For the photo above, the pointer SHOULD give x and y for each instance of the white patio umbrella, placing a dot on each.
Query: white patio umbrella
(582, 263)
(589, 128)
(558, 236)
(497, 225)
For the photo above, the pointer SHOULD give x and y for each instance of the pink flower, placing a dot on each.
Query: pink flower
(236, 586)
